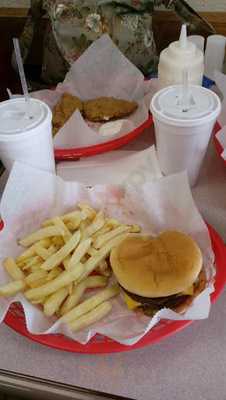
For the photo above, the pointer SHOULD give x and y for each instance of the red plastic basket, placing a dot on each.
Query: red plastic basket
(100, 344)
(75, 153)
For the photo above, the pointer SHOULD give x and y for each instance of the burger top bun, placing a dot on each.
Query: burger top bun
(157, 266)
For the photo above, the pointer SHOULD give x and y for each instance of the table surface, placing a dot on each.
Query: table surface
(190, 364)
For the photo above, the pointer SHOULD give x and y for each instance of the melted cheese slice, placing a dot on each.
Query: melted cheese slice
(131, 304)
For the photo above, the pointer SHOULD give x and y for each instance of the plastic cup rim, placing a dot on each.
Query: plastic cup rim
(182, 122)
(30, 132)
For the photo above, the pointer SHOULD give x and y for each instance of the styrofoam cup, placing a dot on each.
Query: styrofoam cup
(182, 134)
(26, 139)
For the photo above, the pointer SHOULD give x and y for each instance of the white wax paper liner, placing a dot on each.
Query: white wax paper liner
(221, 137)
(220, 80)
(88, 78)
(32, 195)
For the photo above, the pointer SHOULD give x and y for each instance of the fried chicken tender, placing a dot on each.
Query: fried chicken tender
(101, 109)
(64, 109)
(104, 109)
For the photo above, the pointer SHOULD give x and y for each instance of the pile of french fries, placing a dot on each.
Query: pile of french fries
(63, 259)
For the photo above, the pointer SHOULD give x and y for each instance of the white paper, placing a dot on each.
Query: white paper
(32, 195)
(220, 80)
(221, 137)
(127, 167)
(91, 77)
(103, 61)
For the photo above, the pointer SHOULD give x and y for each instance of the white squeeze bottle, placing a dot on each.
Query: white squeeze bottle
(179, 56)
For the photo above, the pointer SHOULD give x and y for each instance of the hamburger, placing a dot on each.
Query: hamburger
(159, 272)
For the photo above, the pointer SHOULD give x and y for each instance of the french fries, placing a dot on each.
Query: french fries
(58, 241)
(94, 261)
(69, 217)
(102, 239)
(12, 288)
(91, 317)
(34, 276)
(66, 261)
(53, 273)
(55, 270)
(106, 228)
(61, 225)
(70, 288)
(92, 252)
(90, 303)
(103, 268)
(42, 252)
(87, 211)
(60, 281)
(30, 262)
(53, 302)
(41, 234)
(73, 224)
(58, 257)
(97, 224)
(31, 251)
(79, 252)
(13, 270)
(33, 268)
(74, 298)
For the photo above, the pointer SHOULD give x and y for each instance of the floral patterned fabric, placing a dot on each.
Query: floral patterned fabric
(74, 24)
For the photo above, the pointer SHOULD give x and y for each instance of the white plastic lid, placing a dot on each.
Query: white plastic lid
(14, 118)
(202, 104)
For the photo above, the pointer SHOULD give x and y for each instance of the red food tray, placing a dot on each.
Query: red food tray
(101, 344)
(218, 146)
(75, 153)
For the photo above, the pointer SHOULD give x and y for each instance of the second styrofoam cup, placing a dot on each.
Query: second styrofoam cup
(183, 132)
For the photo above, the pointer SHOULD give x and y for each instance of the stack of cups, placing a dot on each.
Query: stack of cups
(26, 136)
(183, 130)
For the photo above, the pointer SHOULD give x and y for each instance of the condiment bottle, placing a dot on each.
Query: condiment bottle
(179, 56)
(214, 55)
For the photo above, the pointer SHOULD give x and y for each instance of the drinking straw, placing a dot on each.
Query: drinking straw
(22, 75)
(9, 93)
(185, 91)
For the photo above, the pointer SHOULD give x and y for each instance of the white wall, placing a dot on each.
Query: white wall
(199, 5)
(14, 3)
(208, 5)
